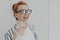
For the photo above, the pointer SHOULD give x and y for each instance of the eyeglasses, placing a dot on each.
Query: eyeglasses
(23, 11)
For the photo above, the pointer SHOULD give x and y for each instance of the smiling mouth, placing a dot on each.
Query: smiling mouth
(25, 17)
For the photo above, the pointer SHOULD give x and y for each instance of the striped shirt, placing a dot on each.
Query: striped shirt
(9, 34)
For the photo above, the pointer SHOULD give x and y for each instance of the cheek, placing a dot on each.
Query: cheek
(19, 16)
(28, 15)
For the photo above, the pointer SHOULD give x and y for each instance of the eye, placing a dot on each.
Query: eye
(29, 11)
(22, 11)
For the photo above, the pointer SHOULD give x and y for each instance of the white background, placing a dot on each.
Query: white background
(39, 17)
(54, 19)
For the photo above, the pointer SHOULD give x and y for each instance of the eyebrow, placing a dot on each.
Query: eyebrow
(24, 9)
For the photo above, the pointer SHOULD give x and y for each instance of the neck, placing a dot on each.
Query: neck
(21, 23)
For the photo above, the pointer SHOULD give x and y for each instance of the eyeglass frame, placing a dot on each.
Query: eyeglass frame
(25, 11)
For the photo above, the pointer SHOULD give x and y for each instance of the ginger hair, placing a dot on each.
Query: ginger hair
(15, 6)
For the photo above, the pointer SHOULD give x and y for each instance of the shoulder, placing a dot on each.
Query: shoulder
(10, 30)
(32, 27)
(9, 34)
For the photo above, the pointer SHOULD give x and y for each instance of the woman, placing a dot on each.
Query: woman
(22, 30)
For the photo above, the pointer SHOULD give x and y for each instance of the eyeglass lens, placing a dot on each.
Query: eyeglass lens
(23, 11)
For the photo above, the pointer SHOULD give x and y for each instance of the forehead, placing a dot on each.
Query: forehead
(23, 7)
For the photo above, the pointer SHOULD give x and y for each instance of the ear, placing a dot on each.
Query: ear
(15, 15)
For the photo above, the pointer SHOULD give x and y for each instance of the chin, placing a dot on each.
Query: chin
(25, 20)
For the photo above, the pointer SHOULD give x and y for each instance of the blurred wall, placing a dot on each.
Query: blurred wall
(54, 19)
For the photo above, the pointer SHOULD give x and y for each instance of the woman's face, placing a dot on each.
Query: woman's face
(20, 15)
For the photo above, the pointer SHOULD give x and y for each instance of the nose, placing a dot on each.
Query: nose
(26, 14)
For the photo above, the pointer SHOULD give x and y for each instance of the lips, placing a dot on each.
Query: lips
(25, 17)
